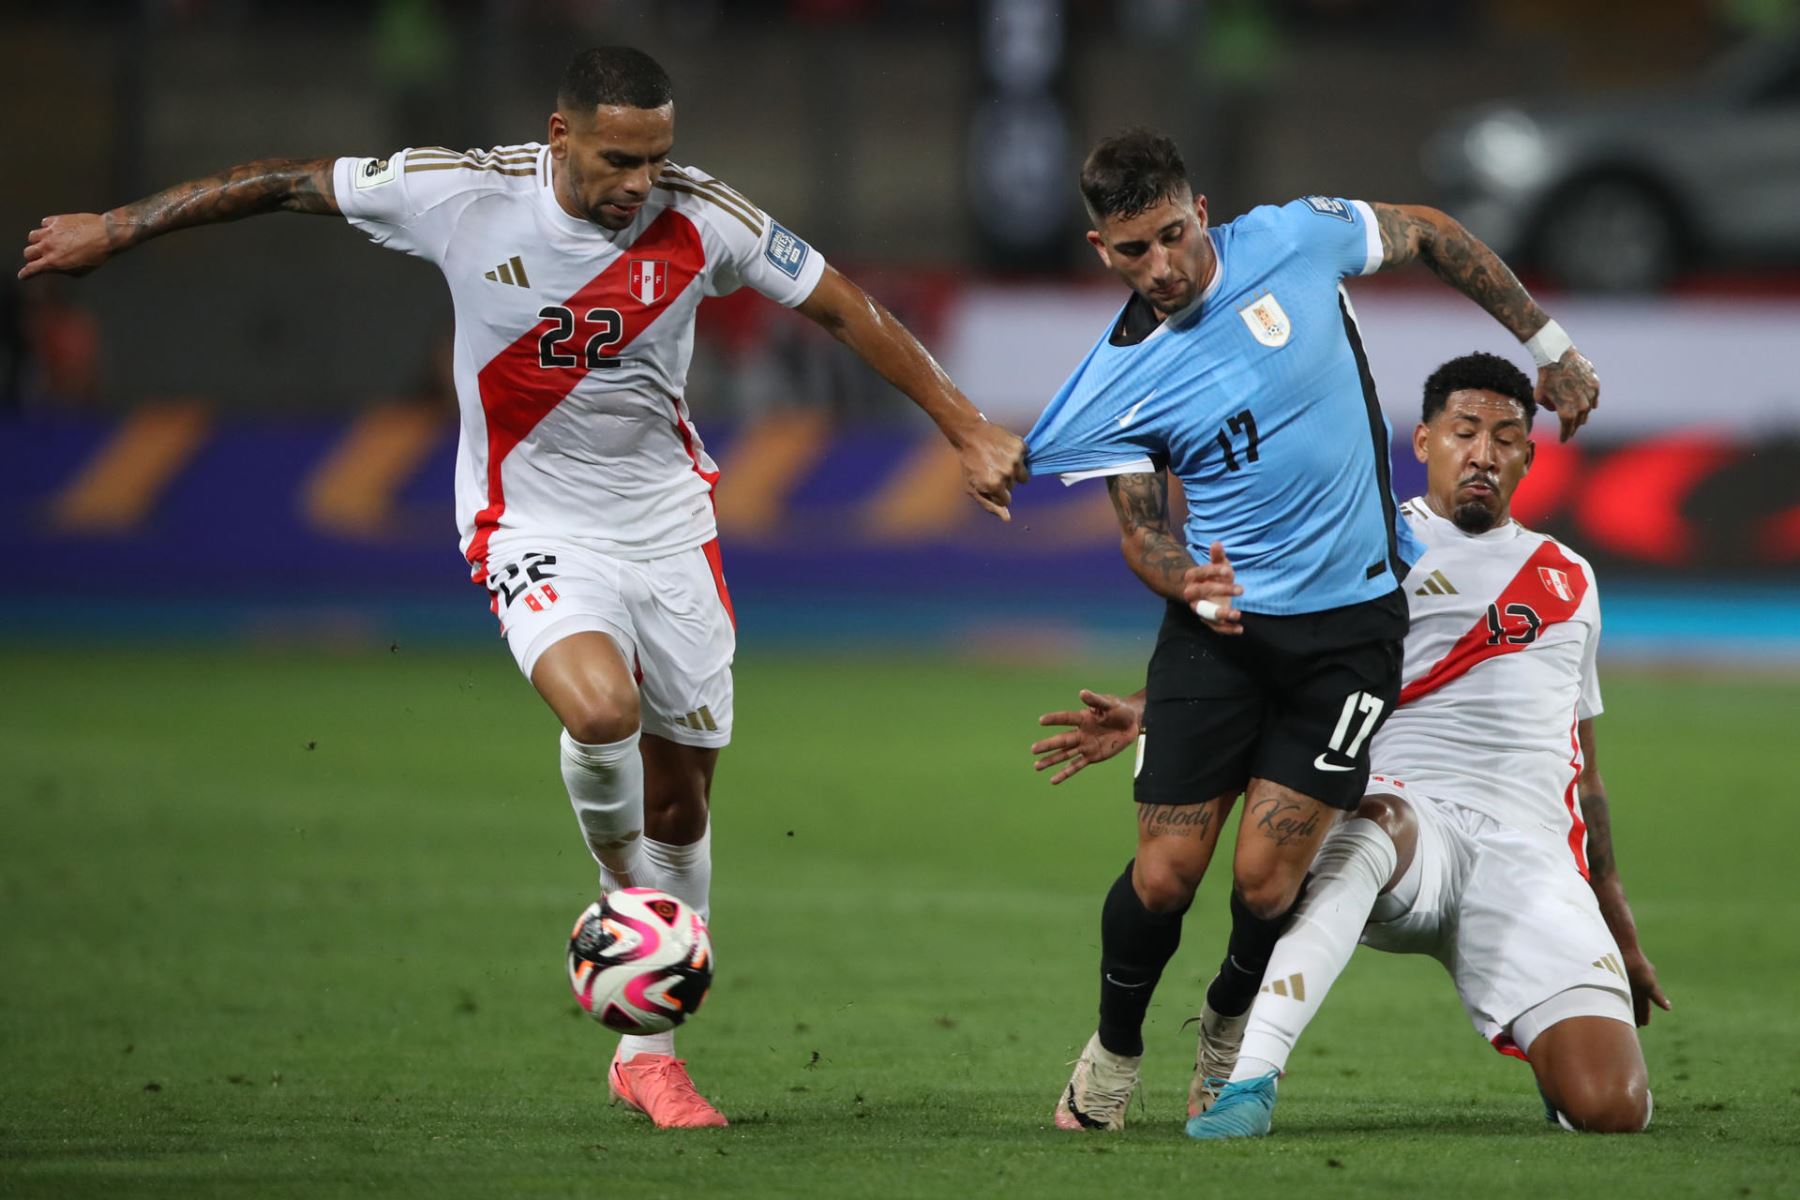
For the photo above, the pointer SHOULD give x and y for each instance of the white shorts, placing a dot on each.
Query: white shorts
(1507, 912)
(670, 616)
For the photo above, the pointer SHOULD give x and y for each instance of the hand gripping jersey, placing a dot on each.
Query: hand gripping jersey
(573, 341)
(1499, 668)
(1259, 399)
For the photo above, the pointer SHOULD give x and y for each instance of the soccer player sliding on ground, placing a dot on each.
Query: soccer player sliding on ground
(1236, 365)
(1485, 839)
(583, 491)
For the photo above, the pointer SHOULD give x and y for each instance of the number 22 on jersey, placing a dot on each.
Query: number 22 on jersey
(609, 329)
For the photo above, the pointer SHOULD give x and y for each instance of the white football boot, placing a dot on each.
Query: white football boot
(1100, 1089)
(1215, 1056)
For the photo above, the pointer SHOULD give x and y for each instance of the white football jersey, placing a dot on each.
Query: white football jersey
(573, 341)
(1499, 668)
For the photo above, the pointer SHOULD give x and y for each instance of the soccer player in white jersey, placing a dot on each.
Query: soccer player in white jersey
(1485, 838)
(583, 491)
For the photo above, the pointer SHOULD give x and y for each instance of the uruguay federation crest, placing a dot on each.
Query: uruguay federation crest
(1267, 321)
(1556, 583)
(649, 279)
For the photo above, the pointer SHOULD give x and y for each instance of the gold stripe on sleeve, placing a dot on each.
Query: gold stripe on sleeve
(754, 227)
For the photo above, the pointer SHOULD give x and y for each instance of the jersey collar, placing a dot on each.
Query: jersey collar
(1197, 305)
(559, 217)
(1501, 533)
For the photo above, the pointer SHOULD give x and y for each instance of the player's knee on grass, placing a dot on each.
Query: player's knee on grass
(1590, 1067)
(1614, 1103)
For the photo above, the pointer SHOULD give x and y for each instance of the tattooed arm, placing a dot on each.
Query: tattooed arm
(1159, 557)
(1153, 551)
(1603, 877)
(76, 243)
(1412, 232)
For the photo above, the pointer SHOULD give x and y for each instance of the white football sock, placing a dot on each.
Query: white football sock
(685, 872)
(606, 786)
(1354, 864)
(630, 1046)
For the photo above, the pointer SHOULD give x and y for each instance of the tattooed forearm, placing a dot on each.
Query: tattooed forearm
(1601, 863)
(1461, 260)
(1603, 867)
(1282, 820)
(1154, 552)
(268, 185)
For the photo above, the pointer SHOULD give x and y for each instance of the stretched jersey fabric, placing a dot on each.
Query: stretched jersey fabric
(1259, 399)
(573, 341)
(1499, 669)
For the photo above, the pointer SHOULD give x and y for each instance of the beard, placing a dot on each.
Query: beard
(1473, 517)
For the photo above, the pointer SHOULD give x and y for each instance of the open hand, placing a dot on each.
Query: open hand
(1100, 729)
(70, 244)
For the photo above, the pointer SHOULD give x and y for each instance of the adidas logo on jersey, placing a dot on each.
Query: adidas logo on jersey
(511, 271)
(1435, 585)
(1610, 962)
(701, 719)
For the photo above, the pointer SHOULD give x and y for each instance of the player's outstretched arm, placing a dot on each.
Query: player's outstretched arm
(76, 243)
(1103, 726)
(1609, 890)
(993, 459)
(1566, 380)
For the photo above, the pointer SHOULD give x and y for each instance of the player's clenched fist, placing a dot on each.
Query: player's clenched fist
(993, 459)
(1571, 388)
(70, 244)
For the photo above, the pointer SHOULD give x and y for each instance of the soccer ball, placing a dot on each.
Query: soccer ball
(640, 961)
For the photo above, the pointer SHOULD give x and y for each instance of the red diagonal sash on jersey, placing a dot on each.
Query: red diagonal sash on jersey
(517, 392)
(1548, 584)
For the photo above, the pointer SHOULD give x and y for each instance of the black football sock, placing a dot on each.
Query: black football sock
(1135, 945)
(1253, 939)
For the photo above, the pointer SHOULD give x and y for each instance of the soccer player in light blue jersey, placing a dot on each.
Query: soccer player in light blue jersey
(1236, 366)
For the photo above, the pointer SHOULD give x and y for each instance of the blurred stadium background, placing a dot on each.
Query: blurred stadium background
(248, 431)
(285, 868)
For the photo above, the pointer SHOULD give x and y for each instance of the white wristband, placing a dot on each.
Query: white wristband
(1206, 610)
(1548, 344)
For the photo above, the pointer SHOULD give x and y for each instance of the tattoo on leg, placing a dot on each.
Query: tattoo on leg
(1175, 820)
(1282, 821)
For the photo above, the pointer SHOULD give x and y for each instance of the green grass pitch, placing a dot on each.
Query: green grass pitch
(286, 924)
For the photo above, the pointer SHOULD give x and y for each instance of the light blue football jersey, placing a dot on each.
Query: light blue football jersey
(1259, 399)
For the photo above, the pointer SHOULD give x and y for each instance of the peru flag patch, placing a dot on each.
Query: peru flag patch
(649, 280)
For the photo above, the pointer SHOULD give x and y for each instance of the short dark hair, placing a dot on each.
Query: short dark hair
(1130, 172)
(1479, 371)
(616, 76)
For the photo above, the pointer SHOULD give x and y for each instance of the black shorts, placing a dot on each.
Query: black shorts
(1294, 700)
